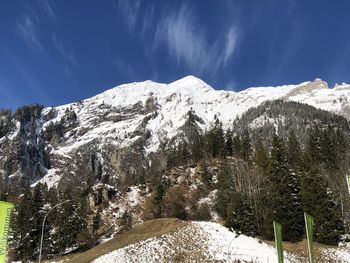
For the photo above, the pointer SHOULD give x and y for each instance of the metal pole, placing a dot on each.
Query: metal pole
(43, 227)
(229, 246)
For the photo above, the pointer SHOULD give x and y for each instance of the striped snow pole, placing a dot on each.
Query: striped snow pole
(5, 216)
(278, 240)
(309, 224)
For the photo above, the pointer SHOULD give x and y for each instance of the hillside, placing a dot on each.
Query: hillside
(169, 240)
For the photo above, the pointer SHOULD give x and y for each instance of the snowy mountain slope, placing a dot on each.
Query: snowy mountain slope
(118, 112)
(136, 119)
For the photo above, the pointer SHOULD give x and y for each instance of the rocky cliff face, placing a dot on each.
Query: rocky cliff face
(120, 136)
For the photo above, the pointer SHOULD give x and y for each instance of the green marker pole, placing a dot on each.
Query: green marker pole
(5, 217)
(309, 224)
(278, 240)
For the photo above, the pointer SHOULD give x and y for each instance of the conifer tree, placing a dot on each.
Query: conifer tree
(261, 158)
(246, 146)
(22, 224)
(71, 221)
(237, 146)
(240, 215)
(319, 201)
(216, 140)
(283, 196)
(229, 142)
(294, 152)
(225, 190)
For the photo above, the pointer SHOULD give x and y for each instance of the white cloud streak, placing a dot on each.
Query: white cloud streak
(186, 40)
(27, 25)
(179, 33)
(129, 10)
(68, 56)
(231, 42)
(28, 31)
(48, 8)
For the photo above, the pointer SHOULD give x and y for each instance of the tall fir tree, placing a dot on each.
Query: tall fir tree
(240, 215)
(283, 196)
(237, 146)
(246, 146)
(225, 190)
(229, 142)
(320, 202)
(216, 140)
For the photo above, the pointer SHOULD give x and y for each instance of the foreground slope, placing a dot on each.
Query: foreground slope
(172, 240)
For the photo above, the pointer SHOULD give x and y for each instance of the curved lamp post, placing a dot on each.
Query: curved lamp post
(229, 246)
(43, 227)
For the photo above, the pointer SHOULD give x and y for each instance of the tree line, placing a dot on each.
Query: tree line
(257, 184)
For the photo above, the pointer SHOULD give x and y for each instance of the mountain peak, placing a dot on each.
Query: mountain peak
(189, 80)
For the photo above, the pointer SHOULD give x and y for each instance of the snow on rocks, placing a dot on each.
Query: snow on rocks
(122, 115)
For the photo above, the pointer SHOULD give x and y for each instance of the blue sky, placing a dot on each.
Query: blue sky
(56, 52)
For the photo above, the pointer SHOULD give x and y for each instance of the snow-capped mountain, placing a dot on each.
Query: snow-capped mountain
(162, 108)
(103, 129)
(120, 148)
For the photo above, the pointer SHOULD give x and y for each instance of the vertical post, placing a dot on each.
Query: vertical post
(5, 217)
(43, 227)
(348, 181)
(309, 224)
(278, 240)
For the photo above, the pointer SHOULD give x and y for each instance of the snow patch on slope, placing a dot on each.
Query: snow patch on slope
(197, 242)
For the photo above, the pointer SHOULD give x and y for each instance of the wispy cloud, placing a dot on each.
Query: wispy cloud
(181, 35)
(68, 56)
(28, 31)
(186, 40)
(231, 41)
(48, 8)
(28, 24)
(129, 10)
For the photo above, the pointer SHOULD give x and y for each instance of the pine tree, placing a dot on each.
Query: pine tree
(205, 175)
(237, 146)
(320, 203)
(225, 190)
(197, 148)
(216, 140)
(229, 142)
(240, 215)
(261, 158)
(71, 221)
(246, 147)
(294, 152)
(283, 197)
(22, 224)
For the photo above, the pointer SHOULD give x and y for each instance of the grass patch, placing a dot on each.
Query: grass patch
(153, 228)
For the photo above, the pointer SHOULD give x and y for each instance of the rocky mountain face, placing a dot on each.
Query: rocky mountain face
(120, 136)
(147, 150)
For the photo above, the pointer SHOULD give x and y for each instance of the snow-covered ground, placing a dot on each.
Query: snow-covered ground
(208, 242)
